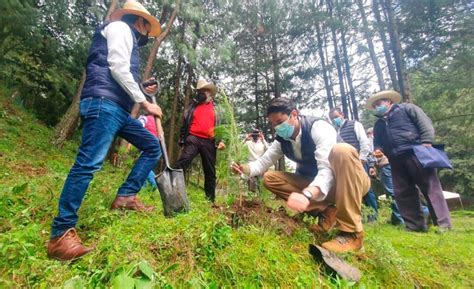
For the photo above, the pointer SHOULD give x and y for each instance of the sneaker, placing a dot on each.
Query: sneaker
(67, 247)
(326, 221)
(345, 242)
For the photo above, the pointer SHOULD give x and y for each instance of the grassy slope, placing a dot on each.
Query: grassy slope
(198, 249)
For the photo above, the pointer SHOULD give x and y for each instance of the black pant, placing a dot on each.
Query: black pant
(207, 149)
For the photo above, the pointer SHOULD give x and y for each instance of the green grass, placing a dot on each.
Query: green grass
(196, 250)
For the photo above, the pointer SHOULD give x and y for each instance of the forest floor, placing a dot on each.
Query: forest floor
(251, 243)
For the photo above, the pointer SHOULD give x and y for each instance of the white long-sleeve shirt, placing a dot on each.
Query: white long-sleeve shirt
(364, 141)
(119, 46)
(256, 149)
(324, 137)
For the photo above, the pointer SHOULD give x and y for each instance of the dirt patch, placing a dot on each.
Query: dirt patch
(255, 212)
(25, 168)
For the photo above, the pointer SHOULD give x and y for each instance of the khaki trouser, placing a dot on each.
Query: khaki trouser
(351, 183)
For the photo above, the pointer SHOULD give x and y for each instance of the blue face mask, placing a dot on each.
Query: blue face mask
(381, 109)
(337, 122)
(284, 129)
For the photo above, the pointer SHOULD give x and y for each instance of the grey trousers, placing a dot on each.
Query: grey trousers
(407, 174)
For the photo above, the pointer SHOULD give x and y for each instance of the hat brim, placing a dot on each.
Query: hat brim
(211, 87)
(155, 24)
(394, 96)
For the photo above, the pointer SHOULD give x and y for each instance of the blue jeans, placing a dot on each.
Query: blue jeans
(370, 199)
(386, 180)
(102, 120)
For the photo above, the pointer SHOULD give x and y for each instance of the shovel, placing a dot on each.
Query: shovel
(335, 263)
(170, 181)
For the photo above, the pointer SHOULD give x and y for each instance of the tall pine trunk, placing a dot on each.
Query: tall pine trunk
(324, 68)
(177, 84)
(355, 113)
(397, 51)
(370, 44)
(386, 48)
(338, 61)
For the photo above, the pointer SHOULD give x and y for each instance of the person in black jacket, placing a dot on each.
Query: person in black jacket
(398, 129)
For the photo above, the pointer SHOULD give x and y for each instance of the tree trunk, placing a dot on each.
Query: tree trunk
(188, 90)
(275, 63)
(338, 62)
(355, 113)
(324, 68)
(68, 123)
(397, 51)
(368, 38)
(177, 84)
(386, 49)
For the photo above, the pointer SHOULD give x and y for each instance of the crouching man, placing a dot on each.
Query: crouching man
(329, 179)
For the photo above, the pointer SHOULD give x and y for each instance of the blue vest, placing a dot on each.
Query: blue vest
(348, 134)
(307, 166)
(397, 133)
(99, 81)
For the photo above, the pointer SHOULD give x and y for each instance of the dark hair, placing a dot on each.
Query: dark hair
(336, 109)
(281, 104)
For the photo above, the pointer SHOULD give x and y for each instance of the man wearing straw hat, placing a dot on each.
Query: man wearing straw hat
(197, 135)
(110, 90)
(399, 128)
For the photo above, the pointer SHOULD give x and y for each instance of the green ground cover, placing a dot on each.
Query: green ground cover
(209, 247)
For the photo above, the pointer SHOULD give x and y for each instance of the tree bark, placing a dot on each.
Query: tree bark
(324, 68)
(68, 123)
(177, 84)
(338, 62)
(386, 49)
(355, 113)
(275, 63)
(397, 51)
(368, 38)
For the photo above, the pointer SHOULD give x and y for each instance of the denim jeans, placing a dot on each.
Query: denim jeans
(370, 199)
(386, 180)
(102, 120)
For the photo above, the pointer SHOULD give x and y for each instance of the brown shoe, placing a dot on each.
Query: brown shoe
(345, 242)
(67, 247)
(130, 203)
(326, 221)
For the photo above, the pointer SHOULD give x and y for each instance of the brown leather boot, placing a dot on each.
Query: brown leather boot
(345, 242)
(130, 203)
(326, 221)
(67, 247)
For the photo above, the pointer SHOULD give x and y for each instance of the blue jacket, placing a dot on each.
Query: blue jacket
(99, 81)
(405, 126)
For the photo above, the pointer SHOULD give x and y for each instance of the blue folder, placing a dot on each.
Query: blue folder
(432, 157)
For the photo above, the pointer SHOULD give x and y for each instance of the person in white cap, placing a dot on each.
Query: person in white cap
(111, 88)
(197, 135)
(400, 127)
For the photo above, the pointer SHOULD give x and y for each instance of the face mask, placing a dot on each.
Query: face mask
(337, 121)
(381, 109)
(200, 97)
(142, 40)
(284, 129)
(255, 137)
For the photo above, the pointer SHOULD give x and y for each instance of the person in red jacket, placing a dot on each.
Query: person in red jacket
(197, 135)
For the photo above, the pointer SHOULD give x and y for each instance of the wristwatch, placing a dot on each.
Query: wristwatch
(308, 195)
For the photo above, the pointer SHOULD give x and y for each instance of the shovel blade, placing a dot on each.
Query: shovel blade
(173, 192)
(335, 263)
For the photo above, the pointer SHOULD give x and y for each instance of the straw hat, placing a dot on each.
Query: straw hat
(135, 8)
(394, 96)
(204, 85)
